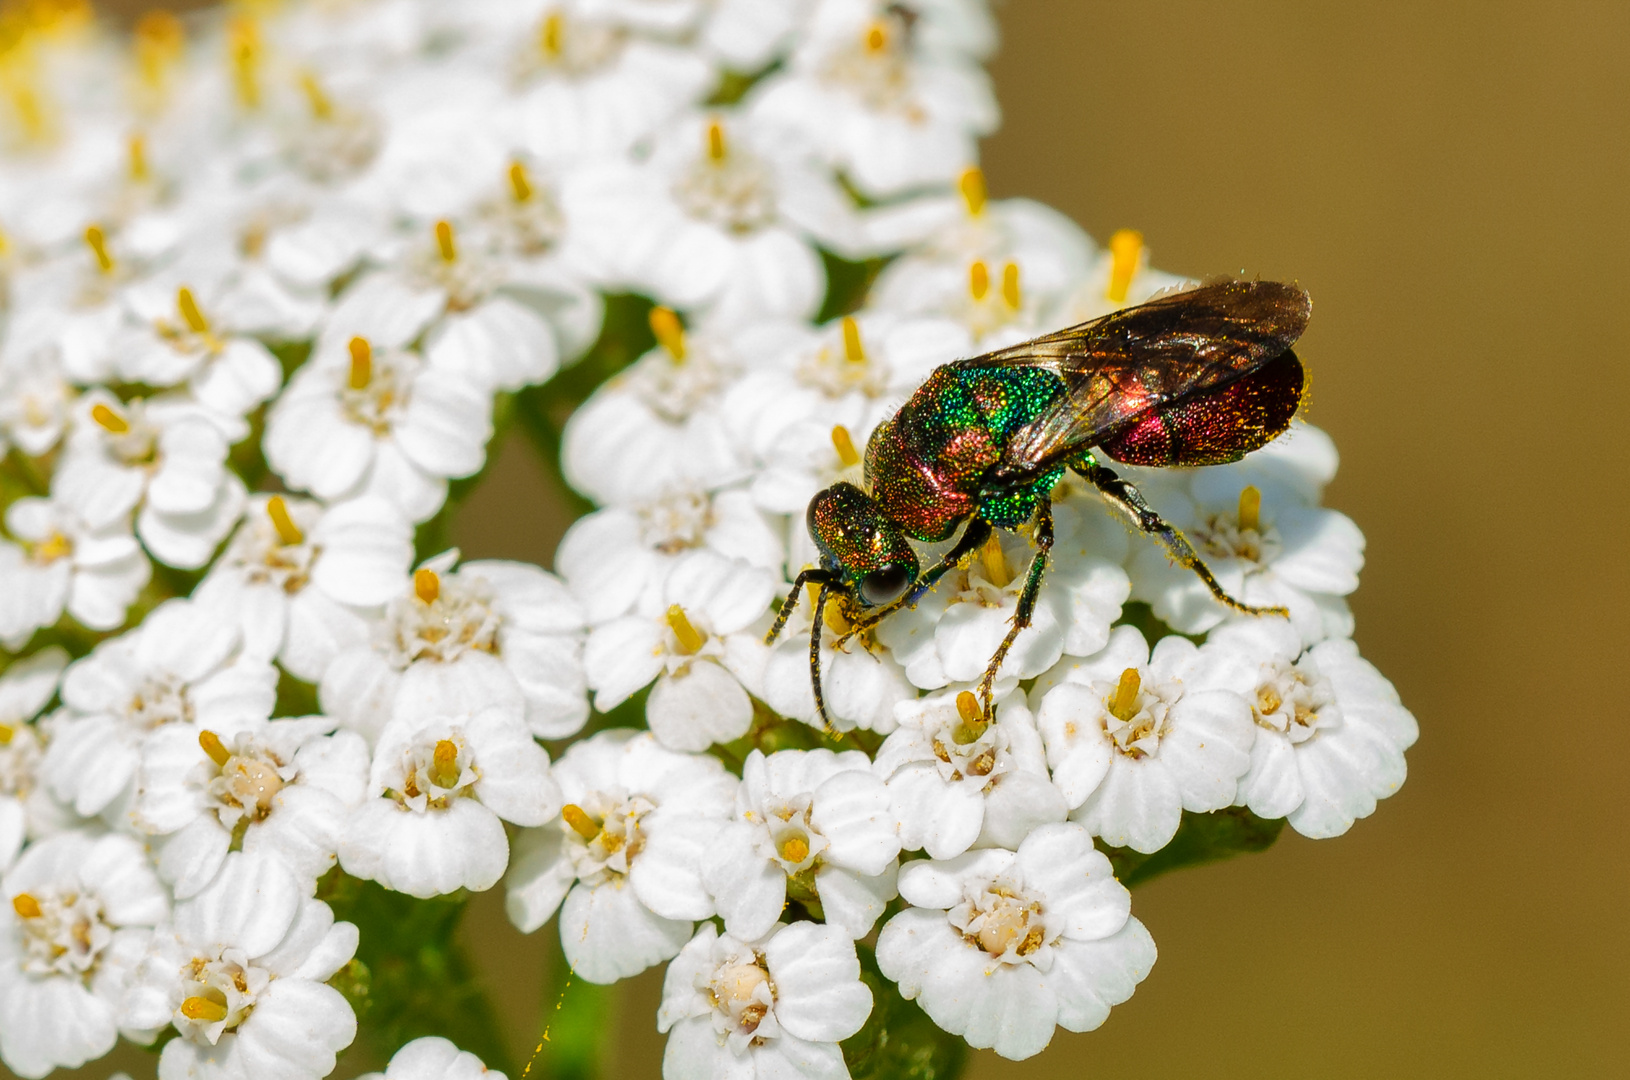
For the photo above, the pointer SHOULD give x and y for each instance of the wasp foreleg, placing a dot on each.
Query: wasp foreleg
(1026, 608)
(1122, 495)
(973, 538)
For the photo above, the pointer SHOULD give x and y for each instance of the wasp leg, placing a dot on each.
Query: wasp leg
(815, 654)
(1130, 502)
(973, 538)
(1027, 604)
(790, 604)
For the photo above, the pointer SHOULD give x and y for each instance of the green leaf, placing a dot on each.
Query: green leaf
(847, 284)
(1201, 838)
(899, 1041)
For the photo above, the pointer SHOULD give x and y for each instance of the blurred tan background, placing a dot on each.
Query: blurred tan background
(1452, 184)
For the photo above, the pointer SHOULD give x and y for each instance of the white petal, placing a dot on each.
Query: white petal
(607, 934)
(819, 995)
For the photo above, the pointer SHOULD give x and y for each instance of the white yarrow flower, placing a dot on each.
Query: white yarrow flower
(434, 1058)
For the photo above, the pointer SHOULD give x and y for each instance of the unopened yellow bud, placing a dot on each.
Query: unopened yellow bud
(978, 280)
(1010, 286)
(204, 1009)
(853, 350)
(877, 36)
(972, 185)
(287, 531)
(715, 141)
(188, 306)
(362, 364)
(426, 585)
(795, 849)
(108, 420)
(581, 823)
(520, 185)
(691, 639)
(669, 331)
(444, 241)
(1250, 509)
(997, 571)
(1124, 704)
(213, 746)
(444, 764)
(25, 906)
(1125, 253)
(97, 240)
(845, 446)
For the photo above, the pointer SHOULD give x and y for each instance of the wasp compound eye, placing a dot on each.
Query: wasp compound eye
(884, 586)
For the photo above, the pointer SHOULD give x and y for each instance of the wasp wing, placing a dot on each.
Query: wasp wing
(1120, 366)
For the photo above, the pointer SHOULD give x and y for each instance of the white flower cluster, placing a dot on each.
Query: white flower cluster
(267, 278)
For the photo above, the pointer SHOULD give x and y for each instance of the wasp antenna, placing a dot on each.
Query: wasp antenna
(790, 604)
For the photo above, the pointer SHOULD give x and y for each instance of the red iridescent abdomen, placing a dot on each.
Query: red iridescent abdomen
(1218, 426)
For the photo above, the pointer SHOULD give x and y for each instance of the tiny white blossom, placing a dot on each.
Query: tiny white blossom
(489, 633)
(1331, 733)
(623, 864)
(956, 779)
(78, 914)
(773, 1007)
(1001, 946)
(434, 1058)
(1136, 736)
(810, 825)
(26, 687)
(440, 789)
(241, 975)
(60, 564)
(181, 666)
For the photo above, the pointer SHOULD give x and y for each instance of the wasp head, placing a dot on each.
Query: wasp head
(859, 544)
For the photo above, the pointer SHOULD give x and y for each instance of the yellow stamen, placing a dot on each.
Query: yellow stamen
(159, 36)
(444, 764)
(444, 241)
(853, 350)
(287, 531)
(1010, 286)
(691, 639)
(520, 185)
(581, 823)
(795, 849)
(715, 141)
(1124, 705)
(978, 280)
(108, 420)
(202, 1008)
(972, 185)
(321, 106)
(426, 585)
(362, 364)
(190, 314)
(550, 37)
(212, 745)
(98, 241)
(25, 906)
(669, 331)
(877, 36)
(7, 733)
(1250, 509)
(243, 44)
(973, 719)
(1125, 252)
(845, 446)
(54, 547)
(138, 160)
(997, 571)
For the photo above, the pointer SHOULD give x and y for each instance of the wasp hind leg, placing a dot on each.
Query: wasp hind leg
(1026, 609)
(1126, 498)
